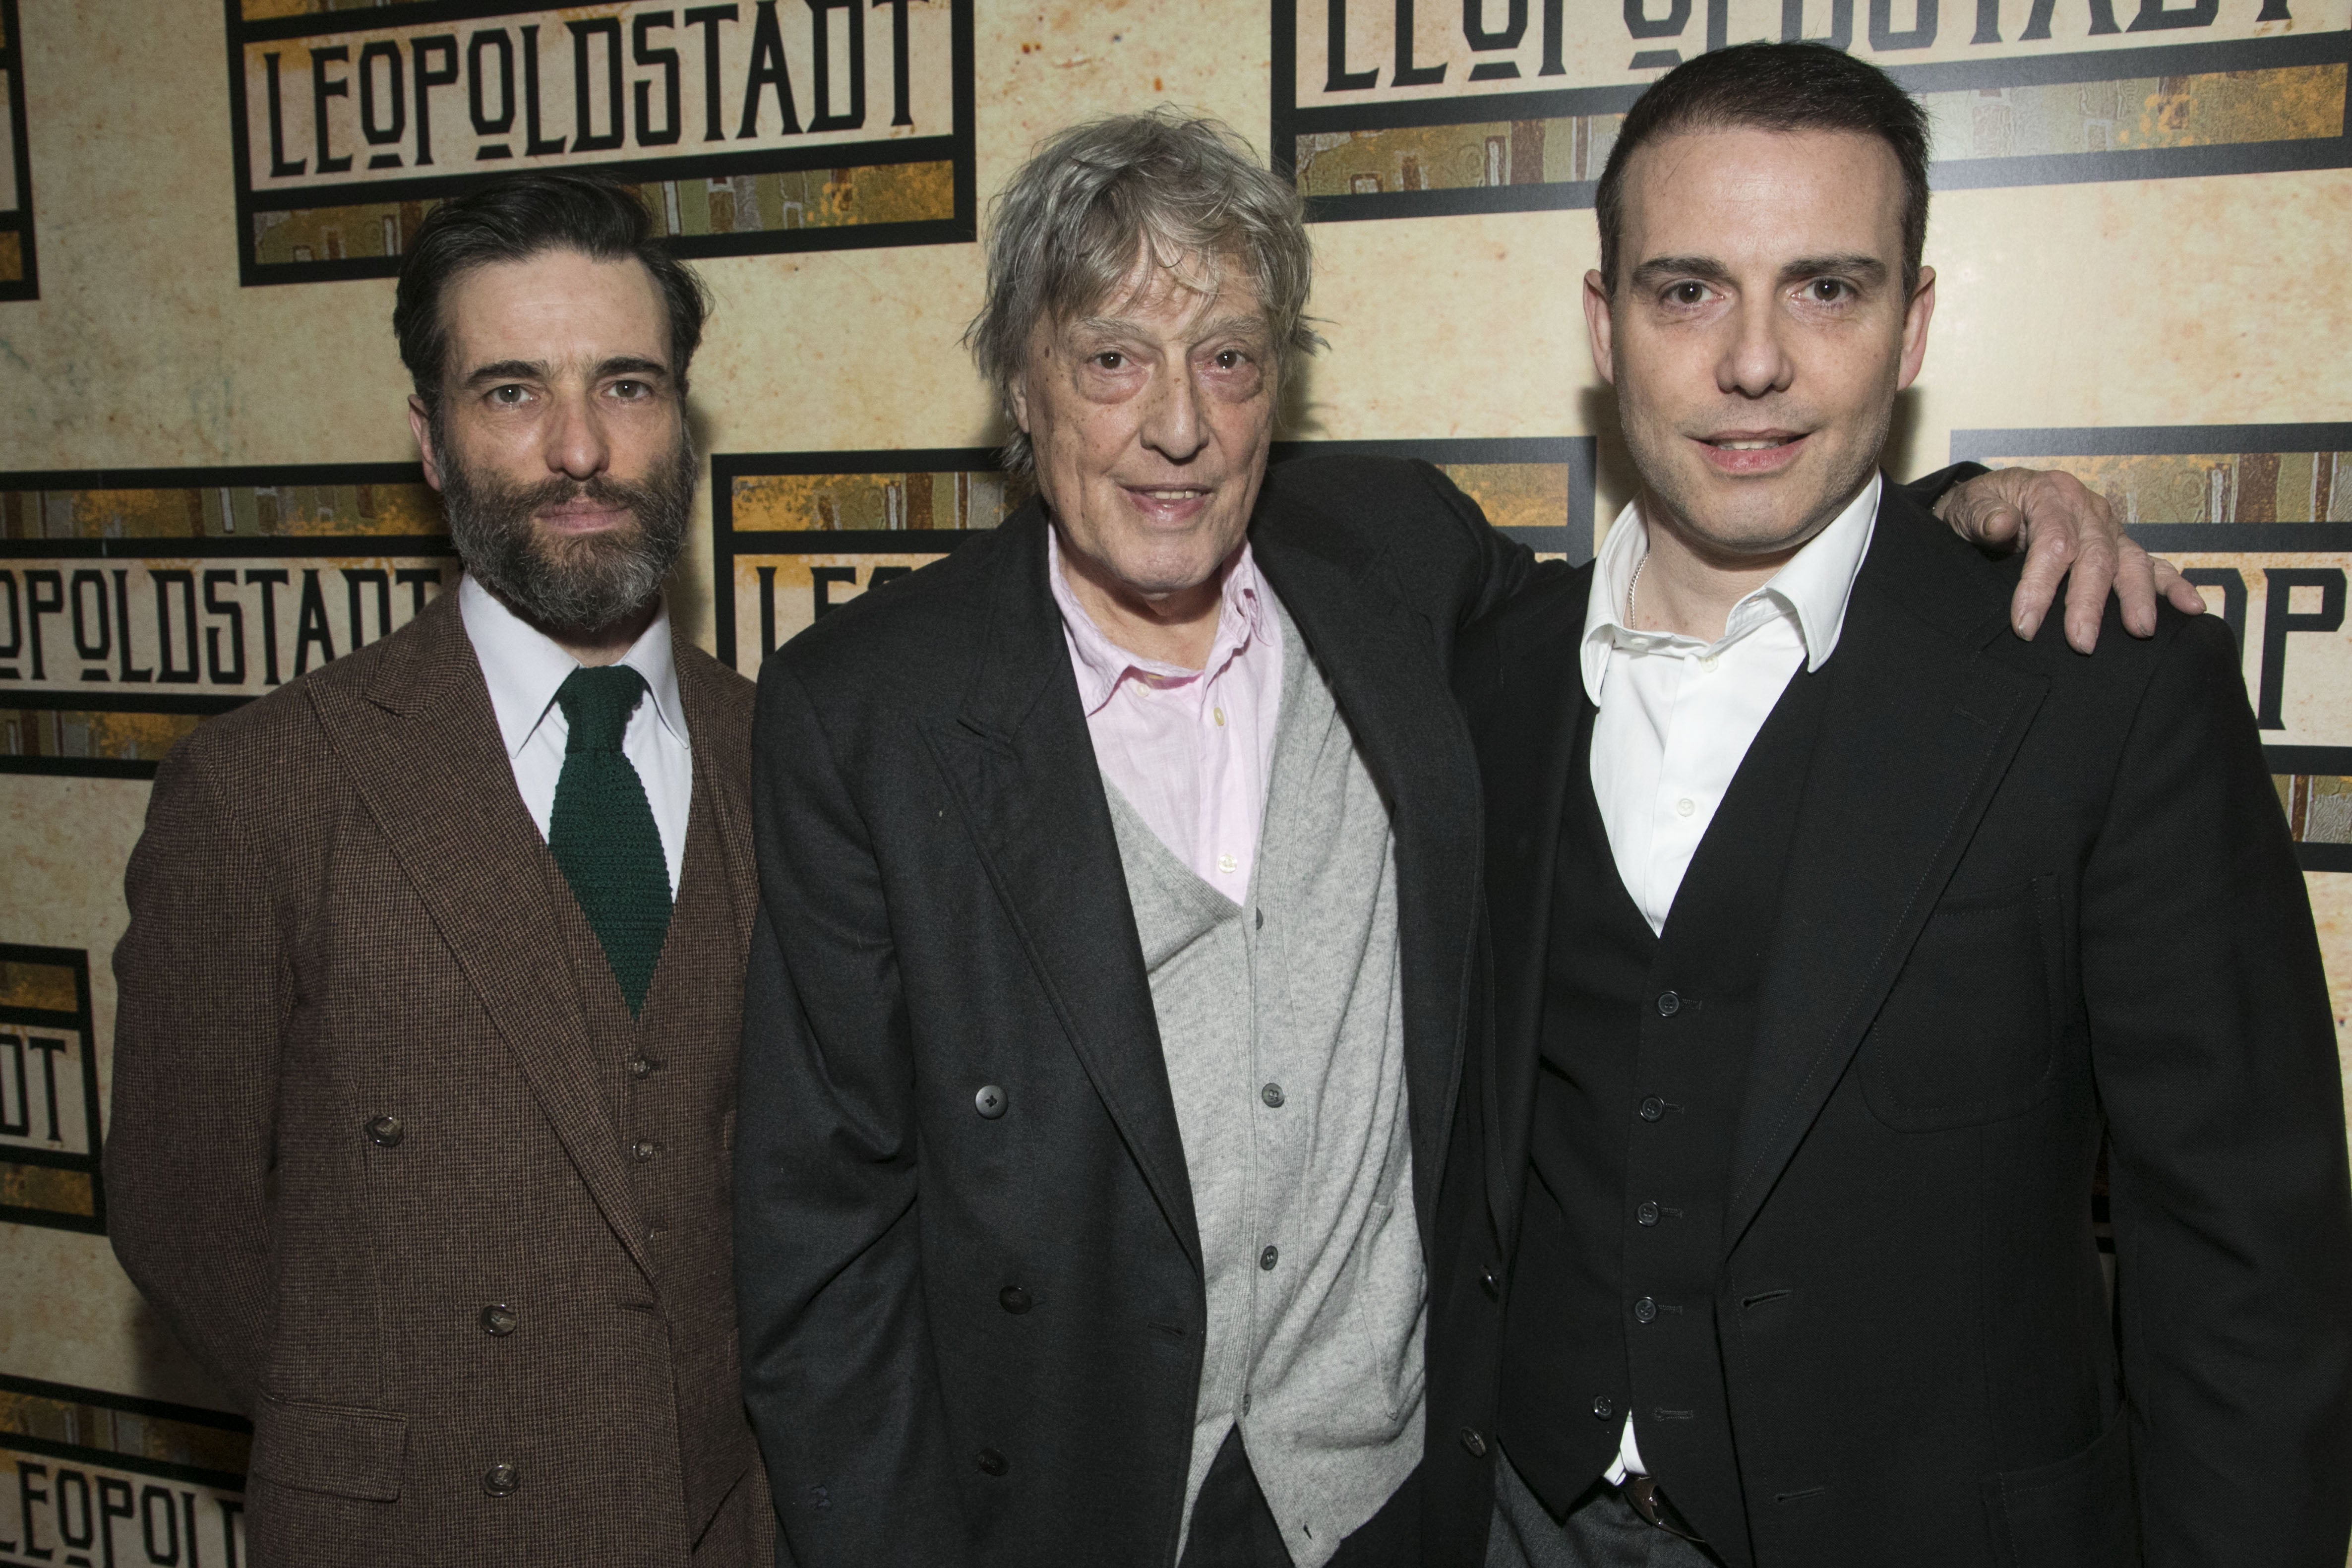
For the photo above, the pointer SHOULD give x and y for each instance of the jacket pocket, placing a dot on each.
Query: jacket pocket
(336, 1449)
(2076, 1513)
(1972, 1030)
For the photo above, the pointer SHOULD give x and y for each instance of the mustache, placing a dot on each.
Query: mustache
(602, 488)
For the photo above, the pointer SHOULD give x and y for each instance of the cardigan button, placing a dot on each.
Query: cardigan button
(990, 1102)
(1475, 1443)
(386, 1131)
(501, 1481)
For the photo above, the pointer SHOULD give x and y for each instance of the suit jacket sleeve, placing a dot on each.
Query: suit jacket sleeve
(204, 989)
(2214, 1051)
(838, 1360)
(1493, 566)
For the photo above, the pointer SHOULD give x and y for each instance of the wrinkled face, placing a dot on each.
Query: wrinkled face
(1150, 422)
(1760, 330)
(561, 447)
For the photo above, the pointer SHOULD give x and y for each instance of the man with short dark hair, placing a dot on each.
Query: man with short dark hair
(1835, 932)
(1118, 879)
(424, 1069)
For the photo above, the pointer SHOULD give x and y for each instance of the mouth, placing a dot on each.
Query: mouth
(1752, 452)
(1170, 505)
(584, 516)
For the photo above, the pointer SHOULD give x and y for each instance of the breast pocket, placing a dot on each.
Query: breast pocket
(1974, 1031)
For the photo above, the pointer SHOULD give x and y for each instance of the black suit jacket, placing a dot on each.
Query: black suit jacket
(2031, 898)
(978, 1339)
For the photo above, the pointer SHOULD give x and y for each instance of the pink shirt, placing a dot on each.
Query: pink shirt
(1190, 750)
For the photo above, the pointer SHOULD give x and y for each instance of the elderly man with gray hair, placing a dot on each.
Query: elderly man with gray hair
(1115, 956)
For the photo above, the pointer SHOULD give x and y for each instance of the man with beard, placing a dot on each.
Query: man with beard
(424, 1071)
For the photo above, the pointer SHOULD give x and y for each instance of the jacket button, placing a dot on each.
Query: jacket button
(990, 1102)
(1645, 1311)
(1272, 1095)
(1492, 1286)
(384, 1131)
(1269, 1258)
(1647, 1214)
(991, 1462)
(1604, 1407)
(1669, 1004)
(1475, 1443)
(503, 1480)
(1652, 1107)
(643, 1067)
(499, 1320)
(1014, 1300)
(644, 1149)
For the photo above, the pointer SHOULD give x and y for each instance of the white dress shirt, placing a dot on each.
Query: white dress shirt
(1677, 715)
(524, 668)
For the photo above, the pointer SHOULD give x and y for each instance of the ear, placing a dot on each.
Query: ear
(1016, 398)
(1916, 316)
(420, 425)
(1598, 328)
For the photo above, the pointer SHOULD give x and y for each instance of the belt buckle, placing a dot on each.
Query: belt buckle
(1651, 1502)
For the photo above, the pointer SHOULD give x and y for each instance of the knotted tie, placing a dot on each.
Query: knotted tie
(602, 830)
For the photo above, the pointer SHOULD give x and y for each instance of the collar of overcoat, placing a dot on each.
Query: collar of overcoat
(419, 743)
(1023, 761)
(1924, 714)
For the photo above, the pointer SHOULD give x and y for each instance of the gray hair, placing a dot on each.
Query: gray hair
(1094, 200)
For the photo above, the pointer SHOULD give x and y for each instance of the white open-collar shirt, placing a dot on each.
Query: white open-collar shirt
(1677, 715)
(524, 668)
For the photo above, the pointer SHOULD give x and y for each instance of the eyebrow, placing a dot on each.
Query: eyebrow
(1707, 269)
(1121, 326)
(537, 370)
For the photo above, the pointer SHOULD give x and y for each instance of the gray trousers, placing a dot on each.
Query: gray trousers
(1605, 1533)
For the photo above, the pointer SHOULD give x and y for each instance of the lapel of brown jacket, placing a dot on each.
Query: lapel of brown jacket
(420, 744)
(717, 725)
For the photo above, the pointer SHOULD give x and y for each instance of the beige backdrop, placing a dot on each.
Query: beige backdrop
(2183, 273)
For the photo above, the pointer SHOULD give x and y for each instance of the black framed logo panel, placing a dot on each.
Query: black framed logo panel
(49, 1114)
(133, 602)
(795, 535)
(104, 1477)
(746, 128)
(20, 273)
(2261, 517)
(1417, 108)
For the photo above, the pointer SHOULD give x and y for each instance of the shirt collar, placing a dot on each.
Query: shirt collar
(1101, 663)
(523, 667)
(1812, 589)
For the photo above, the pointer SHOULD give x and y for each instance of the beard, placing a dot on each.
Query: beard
(568, 586)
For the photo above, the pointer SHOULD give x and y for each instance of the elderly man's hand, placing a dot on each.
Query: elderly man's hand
(2064, 526)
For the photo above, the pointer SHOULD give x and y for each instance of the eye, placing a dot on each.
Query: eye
(507, 396)
(630, 391)
(1231, 359)
(1687, 293)
(1109, 359)
(1827, 291)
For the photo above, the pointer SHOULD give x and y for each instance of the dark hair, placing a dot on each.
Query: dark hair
(1774, 87)
(512, 219)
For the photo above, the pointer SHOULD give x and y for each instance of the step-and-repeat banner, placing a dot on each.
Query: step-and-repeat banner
(207, 492)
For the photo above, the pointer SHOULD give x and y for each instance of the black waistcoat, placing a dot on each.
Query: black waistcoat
(1642, 1061)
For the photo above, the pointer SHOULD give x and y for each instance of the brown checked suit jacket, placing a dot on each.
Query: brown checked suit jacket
(390, 1156)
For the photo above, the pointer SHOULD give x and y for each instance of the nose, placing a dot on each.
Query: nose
(1172, 426)
(577, 446)
(1755, 362)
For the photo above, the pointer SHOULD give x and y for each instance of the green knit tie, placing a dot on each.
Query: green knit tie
(601, 831)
